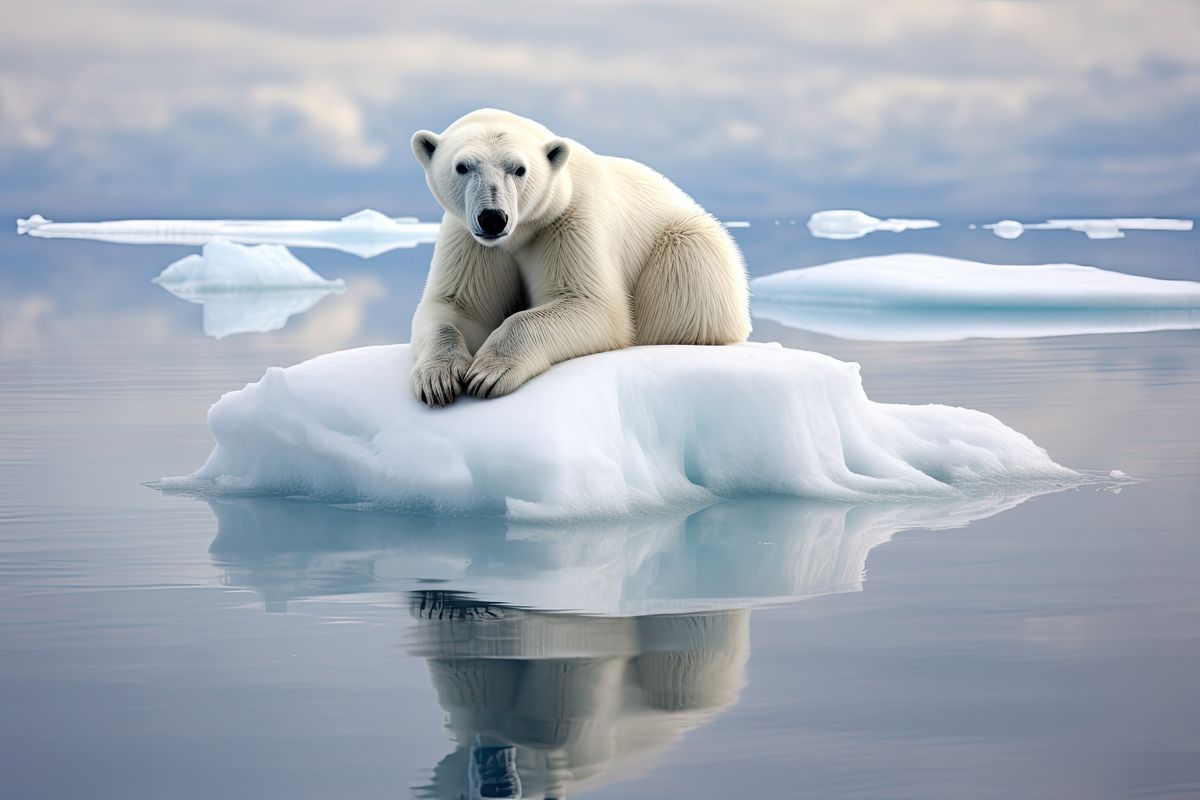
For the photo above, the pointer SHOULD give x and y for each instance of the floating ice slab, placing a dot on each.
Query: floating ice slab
(245, 289)
(641, 429)
(912, 279)
(366, 233)
(882, 323)
(1093, 228)
(852, 224)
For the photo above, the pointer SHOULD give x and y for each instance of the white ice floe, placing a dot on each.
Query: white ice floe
(366, 233)
(246, 289)
(608, 435)
(852, 224)
(926, 282)
(1093, 228)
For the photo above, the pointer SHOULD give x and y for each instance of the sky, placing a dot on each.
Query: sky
(955, 109)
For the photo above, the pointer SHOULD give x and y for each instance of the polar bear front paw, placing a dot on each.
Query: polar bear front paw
(437, 381)
(493, 375)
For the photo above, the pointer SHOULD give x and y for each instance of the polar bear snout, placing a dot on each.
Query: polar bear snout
(493, 222)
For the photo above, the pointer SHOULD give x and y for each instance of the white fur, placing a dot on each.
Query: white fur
(599, 253)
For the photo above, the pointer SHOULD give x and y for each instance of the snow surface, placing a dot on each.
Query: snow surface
(246, 289)
(852, 224)
(1093, 228)
(608, 435)
(366, 233)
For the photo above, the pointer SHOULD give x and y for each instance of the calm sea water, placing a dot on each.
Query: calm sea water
(158, 646)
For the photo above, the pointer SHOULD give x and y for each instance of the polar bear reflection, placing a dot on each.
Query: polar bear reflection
(546, 705)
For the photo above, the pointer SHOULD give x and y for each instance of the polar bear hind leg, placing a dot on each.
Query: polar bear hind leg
(692, 288)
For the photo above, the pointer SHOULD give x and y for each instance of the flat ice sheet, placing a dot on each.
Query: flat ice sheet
(925, 281)
(1105, 228)
(366, 233)
(636, 430)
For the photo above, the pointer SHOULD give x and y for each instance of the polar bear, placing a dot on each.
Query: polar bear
(548, 251)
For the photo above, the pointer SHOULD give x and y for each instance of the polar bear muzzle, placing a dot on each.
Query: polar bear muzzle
(492, 222)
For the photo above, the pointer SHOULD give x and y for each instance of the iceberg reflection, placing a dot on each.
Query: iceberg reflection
(756, 551)
(567, 658)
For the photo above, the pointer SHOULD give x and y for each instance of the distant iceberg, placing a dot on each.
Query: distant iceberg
(912, 297)
(637, 430)
(853, 224)
(246, 289)
(366, 233)
(1113, 228)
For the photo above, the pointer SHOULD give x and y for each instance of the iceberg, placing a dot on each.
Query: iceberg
(852, 224)
(1093, 228)
(246, 289)
(365, 234)
(645, 429)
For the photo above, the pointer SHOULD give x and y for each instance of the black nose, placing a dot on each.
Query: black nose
(492, 221)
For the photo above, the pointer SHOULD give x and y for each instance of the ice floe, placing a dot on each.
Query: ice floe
(935, 282)
(245, 289)
(912, 297)
(853, 224)
(366, 233)
(608, 435)
(1112, 228)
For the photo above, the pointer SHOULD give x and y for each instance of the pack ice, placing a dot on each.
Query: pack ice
(246, 289)
(911, 297)
(609, 435)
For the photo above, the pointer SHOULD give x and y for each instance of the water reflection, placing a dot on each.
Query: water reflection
(566, 658)
(737, 554)
(550, 705)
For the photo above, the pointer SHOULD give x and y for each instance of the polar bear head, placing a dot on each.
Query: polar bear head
(492, 170)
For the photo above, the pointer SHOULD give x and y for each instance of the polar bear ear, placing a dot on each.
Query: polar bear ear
(557, 152)
(424, 143)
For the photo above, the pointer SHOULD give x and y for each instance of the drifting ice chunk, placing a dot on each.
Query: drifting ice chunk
(1092, 228)
(246, 289)
(930, 298)
(640, 429)
(365, 233)
(849, 224)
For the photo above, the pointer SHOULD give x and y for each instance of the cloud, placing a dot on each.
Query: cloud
(953, 104)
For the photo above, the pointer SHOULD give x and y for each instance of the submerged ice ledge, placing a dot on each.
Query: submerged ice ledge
(638, 430)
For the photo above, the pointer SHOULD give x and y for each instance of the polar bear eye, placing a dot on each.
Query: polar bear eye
(519, 172)
(461, 169)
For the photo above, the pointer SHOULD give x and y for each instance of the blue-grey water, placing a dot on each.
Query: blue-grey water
(158, 646)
